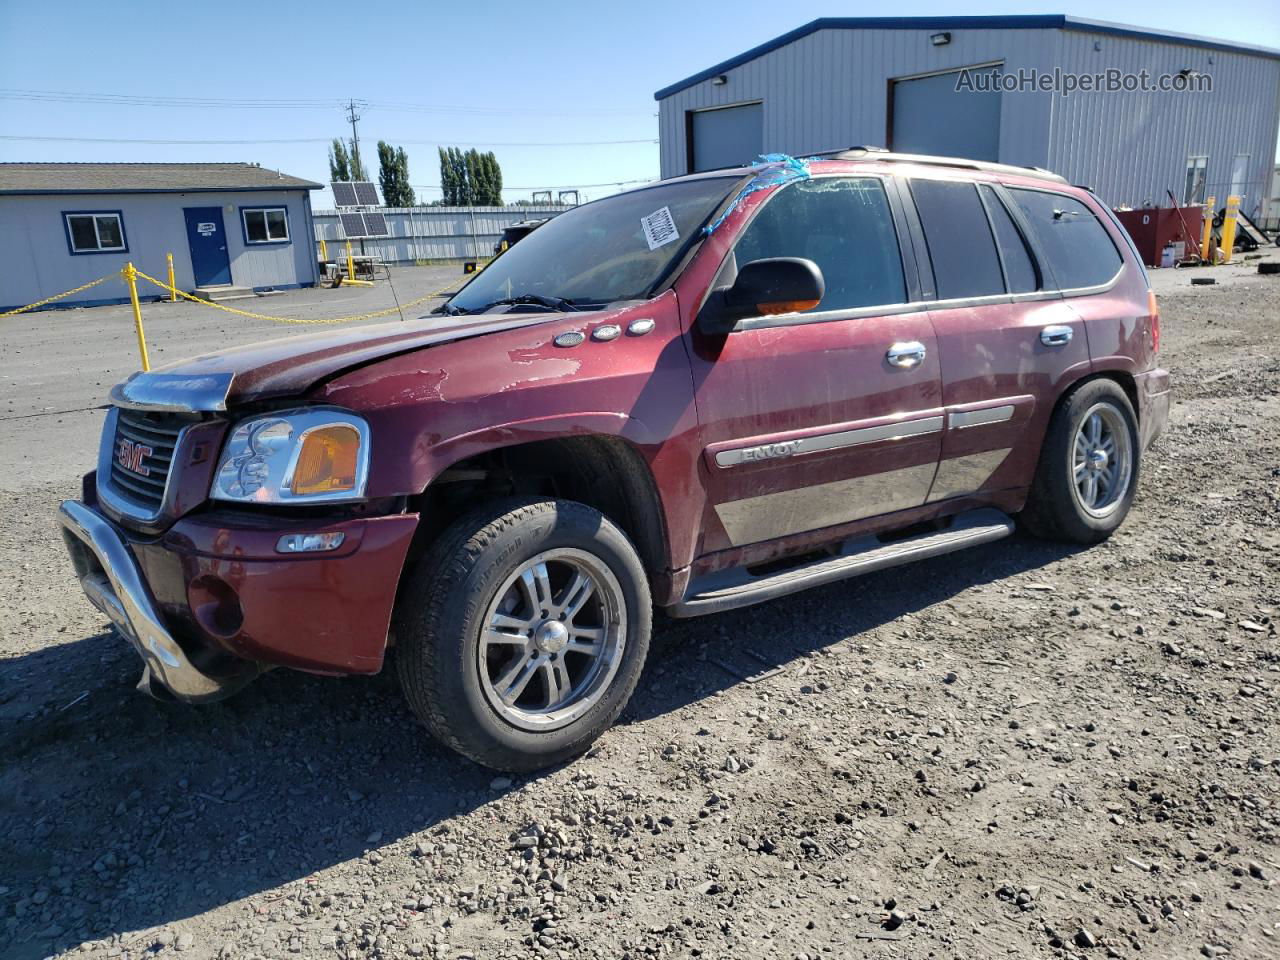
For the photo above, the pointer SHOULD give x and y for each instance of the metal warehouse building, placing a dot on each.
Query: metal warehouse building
(893, 82)
(231, 227)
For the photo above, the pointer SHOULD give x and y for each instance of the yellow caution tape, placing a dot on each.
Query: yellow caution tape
(263, 316)
(41, 303)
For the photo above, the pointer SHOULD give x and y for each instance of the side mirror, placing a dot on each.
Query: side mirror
(764, 288)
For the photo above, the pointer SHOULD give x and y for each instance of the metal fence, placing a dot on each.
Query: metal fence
(432, 233)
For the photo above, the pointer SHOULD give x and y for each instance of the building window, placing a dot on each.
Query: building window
(265, 225)
(1197, 168)
(95, 232)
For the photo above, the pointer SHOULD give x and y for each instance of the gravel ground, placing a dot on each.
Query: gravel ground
(1032, 751)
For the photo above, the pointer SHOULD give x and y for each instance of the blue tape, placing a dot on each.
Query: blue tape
(778, 168)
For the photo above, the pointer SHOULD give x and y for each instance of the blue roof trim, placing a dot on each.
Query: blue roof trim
(110, 192)
(1034, 22)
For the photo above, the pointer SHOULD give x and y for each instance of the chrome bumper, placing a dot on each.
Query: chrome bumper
(111, 580)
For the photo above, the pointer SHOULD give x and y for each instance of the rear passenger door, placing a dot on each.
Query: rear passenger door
(1005, 337)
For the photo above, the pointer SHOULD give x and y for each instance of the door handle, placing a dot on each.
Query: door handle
(1056, 336)
(906, 355)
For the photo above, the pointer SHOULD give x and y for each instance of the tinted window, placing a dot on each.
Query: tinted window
(961, 248)
(1019, 271)
(1078, 248)
(844, 225)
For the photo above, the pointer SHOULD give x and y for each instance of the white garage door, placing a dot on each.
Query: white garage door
(931, 116)
(727, 137)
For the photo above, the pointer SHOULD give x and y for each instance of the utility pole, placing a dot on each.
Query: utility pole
(355, 137)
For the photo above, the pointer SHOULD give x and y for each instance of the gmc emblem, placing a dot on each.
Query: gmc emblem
(130, 456)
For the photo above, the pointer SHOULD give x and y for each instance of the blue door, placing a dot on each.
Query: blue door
(207, 239)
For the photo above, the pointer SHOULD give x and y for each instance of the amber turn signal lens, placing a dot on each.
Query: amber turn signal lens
(327, 463)
(785, 306)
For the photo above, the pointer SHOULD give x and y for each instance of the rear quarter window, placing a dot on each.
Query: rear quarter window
(1079, 249)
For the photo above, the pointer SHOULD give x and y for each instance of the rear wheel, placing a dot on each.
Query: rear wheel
(523, 631)
(1088, 470)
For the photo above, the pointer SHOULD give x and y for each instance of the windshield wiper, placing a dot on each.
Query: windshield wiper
(551, 303)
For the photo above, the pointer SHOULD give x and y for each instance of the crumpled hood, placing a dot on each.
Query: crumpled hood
(291, 365)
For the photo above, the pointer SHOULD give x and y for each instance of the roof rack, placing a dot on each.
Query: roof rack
(880, 153)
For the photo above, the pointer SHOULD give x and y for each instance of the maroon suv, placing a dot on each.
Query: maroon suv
(698, 395)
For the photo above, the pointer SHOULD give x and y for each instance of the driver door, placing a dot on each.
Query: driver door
(813, 421)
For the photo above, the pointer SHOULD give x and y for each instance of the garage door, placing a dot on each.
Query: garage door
(728, 137)
(931, 116)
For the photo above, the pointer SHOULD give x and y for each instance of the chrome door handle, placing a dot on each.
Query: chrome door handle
(1056, 336)
(906, 355)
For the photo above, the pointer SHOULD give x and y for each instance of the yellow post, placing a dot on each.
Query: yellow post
(324, 249)
(173, 287)
(130, 275)
(351, 264)
(1206, 231)
(1229, 228)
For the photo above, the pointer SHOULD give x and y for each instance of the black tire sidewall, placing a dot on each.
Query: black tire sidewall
(1071, 519)
(456, 612)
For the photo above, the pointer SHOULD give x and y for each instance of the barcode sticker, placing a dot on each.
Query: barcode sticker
(659, 228)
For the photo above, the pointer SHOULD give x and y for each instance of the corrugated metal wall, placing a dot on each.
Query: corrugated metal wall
(434, 233)
(1131, 147)
(830, 89)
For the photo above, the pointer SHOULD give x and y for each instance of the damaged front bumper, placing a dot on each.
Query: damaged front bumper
(113, 583)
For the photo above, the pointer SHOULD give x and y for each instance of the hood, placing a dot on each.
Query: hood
(291, 365)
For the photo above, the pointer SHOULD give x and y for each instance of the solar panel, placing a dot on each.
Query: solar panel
(375, 224)
(344, 194)
(353, 224)
(366, 194)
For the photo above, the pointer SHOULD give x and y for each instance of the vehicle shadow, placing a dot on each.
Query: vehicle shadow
(122, 814)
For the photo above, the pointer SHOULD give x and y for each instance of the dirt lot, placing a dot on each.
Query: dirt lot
(1025, 751)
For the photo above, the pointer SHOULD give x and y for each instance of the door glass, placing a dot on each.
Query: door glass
(844, 225)
(1239, 170)
(1079, 248)
(1019, 270)
(961, 248)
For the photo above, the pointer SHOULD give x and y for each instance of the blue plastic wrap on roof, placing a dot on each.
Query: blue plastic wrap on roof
(778, 168)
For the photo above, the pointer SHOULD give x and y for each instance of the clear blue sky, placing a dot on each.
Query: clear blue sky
(489, 73)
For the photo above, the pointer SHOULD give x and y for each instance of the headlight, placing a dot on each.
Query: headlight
(297, 456)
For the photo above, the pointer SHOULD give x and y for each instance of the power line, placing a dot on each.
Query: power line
(148, 100)
(442, 141)
(568, 186)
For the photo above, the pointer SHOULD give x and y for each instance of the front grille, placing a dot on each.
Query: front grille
(142, 455)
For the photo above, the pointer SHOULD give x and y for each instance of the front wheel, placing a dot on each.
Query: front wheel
(1088, 470)
(522, 633)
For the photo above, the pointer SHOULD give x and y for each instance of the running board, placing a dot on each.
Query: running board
(730, 589)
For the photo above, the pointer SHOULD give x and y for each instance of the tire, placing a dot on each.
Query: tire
(452, 666)
(1056, 508)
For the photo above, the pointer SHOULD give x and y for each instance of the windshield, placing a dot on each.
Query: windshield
(613, 249)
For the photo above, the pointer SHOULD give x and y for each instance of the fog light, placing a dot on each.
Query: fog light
(309, 542)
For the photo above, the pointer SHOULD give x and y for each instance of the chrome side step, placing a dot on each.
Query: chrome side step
(730, 589)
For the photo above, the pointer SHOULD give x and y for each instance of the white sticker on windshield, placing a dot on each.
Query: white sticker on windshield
(659, 228)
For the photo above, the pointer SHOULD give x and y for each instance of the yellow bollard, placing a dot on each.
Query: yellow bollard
(324, 249)
(173, 287)
(1229, 228)
(130, 275)
(351, 264)
(1206, 232)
